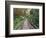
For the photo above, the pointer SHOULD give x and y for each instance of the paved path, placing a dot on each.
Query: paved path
(27, 25)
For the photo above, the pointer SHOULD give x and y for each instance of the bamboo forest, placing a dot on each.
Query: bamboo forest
(26, 18)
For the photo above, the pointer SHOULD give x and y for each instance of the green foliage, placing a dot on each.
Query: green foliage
(17, 21)
(33, 18)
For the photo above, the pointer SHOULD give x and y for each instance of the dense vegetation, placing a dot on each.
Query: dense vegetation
(33, 18)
